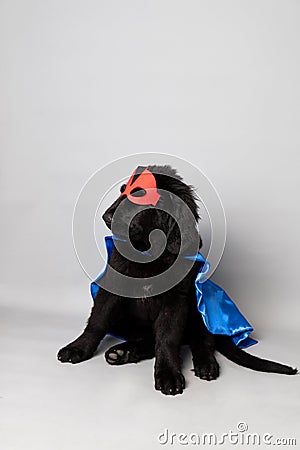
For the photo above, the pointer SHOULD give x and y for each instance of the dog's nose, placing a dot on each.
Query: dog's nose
(107, 217)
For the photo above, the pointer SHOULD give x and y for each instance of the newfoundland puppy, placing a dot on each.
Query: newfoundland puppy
(156, 324)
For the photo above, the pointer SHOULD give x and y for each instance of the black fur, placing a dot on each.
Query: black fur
(157, 326)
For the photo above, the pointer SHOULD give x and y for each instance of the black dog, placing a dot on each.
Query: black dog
(156, 326)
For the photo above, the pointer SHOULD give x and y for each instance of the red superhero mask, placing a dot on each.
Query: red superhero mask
(143, 190)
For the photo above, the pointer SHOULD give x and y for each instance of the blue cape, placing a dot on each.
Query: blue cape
(219, 313)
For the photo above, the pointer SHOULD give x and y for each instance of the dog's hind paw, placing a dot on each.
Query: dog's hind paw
(124, 353)
(207, 370)
(116, 356)
(129, 352)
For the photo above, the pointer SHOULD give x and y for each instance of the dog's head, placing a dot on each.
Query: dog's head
(155, 197)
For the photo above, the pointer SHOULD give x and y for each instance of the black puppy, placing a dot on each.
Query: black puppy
(156, 326)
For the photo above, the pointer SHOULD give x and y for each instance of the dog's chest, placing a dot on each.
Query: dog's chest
(143, 309)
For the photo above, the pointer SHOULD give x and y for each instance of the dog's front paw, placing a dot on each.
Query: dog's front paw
(169, 382)
(207, 370)
(73, 354)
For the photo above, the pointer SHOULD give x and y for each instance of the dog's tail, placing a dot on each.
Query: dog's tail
(227, 348)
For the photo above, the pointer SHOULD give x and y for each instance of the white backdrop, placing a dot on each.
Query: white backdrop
(83, 83)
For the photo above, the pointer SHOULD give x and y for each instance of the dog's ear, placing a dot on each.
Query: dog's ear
(182, 227)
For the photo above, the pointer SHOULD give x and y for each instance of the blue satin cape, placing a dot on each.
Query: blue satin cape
(219, 313)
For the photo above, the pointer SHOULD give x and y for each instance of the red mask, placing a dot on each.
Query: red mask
(145, 181)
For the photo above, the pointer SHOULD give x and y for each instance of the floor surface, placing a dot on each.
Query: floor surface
(48, 405)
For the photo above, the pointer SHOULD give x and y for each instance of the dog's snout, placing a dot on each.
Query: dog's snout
(107, 217)
(135, 228)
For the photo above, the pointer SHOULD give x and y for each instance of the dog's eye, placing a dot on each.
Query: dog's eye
(122, 188)
(138, 192)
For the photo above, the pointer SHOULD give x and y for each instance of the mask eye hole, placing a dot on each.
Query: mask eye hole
(122, 188)
(138, 192)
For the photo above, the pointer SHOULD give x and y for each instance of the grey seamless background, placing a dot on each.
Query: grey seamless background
(83, 83)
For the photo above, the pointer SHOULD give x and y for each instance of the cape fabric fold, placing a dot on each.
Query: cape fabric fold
(219, 313)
